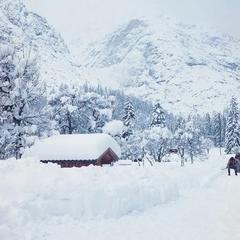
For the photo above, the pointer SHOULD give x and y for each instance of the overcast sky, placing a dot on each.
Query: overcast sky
(88, 18)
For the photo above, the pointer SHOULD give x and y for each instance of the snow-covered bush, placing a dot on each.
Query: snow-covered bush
(157, 142)
(115, 128)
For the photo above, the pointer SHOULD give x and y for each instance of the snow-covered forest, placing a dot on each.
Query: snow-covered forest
(143, 129)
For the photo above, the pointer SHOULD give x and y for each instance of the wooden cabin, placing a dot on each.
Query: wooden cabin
(77, 150)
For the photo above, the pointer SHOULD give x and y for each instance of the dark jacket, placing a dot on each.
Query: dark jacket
(232, 163)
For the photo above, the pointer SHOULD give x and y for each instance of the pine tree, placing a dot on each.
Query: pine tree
(218, 131)
(158, 117)
(128, 115)
(233, 127)
(224, 127)
(208, 126)
(128, 119)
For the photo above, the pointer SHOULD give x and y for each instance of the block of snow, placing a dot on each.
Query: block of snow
(73, 147)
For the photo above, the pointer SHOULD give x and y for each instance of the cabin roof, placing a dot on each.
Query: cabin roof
(74, 147)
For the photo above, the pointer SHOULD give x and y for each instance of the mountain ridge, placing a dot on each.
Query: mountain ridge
(163, 60)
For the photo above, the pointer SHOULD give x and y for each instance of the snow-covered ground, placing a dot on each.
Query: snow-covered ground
(39, 202)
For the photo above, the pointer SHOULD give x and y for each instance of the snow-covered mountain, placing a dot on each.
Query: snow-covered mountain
(181, 66)
(24, 29)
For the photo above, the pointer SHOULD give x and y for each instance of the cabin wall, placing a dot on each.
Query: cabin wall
(71, 163)
(108, 157)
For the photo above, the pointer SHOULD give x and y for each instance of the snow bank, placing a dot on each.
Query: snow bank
(38, 191)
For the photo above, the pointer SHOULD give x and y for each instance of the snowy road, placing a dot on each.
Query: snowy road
(212, 213)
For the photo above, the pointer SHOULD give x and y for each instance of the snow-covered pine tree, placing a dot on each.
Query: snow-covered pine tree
(208, 126)
(129, 114)
(233, 127)
(224, 127)
(128, 119)
(158, 117)
(218, 131)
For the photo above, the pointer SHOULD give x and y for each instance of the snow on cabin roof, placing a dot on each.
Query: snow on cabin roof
(74, 147)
